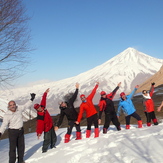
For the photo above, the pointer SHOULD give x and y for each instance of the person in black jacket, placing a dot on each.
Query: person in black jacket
(67, 108)
(106, 105)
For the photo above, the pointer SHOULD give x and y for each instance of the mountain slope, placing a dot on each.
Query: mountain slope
(130, 67)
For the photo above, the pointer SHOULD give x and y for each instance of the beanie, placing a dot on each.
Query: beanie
(121, 94)
(36, 106)
(103, 93)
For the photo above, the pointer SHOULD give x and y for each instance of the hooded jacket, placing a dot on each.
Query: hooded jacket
(88, 105)
(44, 120)
(69, 111)
(127, 105)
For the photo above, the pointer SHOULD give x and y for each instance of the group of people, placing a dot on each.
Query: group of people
(13, 118)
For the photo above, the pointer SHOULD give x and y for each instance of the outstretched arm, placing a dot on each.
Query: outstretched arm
(152, 89)
(43, 101)
(112, 94)
(93, 91)
(74, 96)
(133, 92)
(159, 108)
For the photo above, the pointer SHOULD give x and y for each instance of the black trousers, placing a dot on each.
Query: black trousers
(71, 125)
(92, 119)
(16, 140)
(135, 115)
(111, 118)
(150, 116)
(50, 138)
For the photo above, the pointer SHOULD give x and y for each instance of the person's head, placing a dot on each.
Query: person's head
(123, 96)
(12, 106)
(63, 104)
(103, 94)
(82, 97)
(144, 92)
(38, 107)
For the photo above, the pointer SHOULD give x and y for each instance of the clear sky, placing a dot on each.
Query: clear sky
(73, 36)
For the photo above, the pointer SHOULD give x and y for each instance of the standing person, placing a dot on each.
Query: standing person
(128, 108)
(149, 106)
(159, 108)
(106, 105)
(45, 124)
(13, 119)
(91, 113)
(67, 108)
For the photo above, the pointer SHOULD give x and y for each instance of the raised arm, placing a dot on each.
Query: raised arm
(74, 96)
(159, 108)
(93, 91)
(133, 92)
(43, 101)
(152, 89)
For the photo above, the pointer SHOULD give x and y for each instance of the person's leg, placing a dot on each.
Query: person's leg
(116, 121)
(153, 117)
(21, 146)
(78, 132)
(46, 141)
(53, 138)
(136, 116)
(107, 123)
(89, 124)
(127, 118)
(13, 135)
(95, 121)
(148, 118)
(69, 131)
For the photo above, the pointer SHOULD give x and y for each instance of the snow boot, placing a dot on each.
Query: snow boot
(96, 131)
(148, 124)
(155, 121)
(78, 135)
(88, 133)
(140, 124)
(127, 127)
(67, 138)
(104, 130)
(118, 128)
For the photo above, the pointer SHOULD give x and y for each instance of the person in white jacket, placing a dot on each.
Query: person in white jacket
(13, 119)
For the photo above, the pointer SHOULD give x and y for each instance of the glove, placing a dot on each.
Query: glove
(32, 96)
(153, 83)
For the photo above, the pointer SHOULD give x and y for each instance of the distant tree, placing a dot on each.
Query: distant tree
(14, 40)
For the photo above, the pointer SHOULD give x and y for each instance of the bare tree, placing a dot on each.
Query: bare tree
(14, 40)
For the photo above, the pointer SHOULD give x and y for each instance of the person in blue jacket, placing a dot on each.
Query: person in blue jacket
(128, 108)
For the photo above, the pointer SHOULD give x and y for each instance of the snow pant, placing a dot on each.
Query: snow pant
(92, 119)
(150, 116)
(111, 118)
(16, 140)
(71, 125)
(135, 115)
(50, 138)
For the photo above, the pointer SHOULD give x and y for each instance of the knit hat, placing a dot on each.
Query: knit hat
(122, 94)
(103, 93)
(36, 106)
(82, 95)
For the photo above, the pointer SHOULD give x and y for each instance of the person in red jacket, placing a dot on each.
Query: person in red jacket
(91, 113)
(106, 105)
(45, 124)
(149, 106)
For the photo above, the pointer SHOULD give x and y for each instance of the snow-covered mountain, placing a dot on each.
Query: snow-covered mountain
(130, 67)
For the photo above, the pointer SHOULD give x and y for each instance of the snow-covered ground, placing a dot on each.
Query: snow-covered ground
(136, 145)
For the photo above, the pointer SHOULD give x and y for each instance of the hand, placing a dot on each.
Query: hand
(56, 128)
(137, 86)
(99, 121)
(38, 136)
(77, 122)
(159, 109)
(97, 83)
(119, 84)
(77, 85)
(117, 116)
(47, 90)
(153, 83)
(32, 96)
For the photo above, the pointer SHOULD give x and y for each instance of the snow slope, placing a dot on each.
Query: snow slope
(130, 67)
(126, 146)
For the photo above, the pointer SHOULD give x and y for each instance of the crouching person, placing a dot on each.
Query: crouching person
(45, 124)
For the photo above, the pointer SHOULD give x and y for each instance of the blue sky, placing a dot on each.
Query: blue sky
(73, 36)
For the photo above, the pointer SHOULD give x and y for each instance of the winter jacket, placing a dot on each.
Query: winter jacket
(14, 120)
(88, 106)
(127, 105)
(69, 111)
(106, 104)
(148, 102)
(44, 120)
